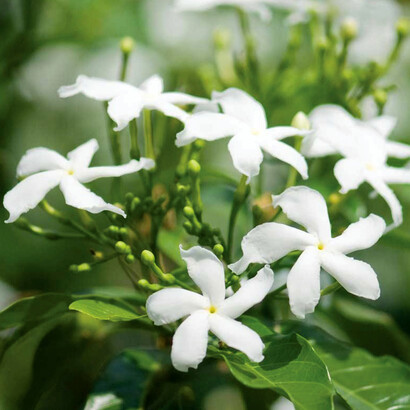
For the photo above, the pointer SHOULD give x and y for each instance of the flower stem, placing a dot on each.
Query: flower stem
(279, 290)
(148, 137)
(240, 195)
(134, 149)
(293, 173)
(330, 289)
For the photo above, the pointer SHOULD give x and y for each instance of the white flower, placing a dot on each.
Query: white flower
(209, 311)
(45, 169)
(126, 101)
(365, 148)
(271, 241)
(243, 118)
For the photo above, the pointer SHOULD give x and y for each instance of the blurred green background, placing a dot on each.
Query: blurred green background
(46, 44)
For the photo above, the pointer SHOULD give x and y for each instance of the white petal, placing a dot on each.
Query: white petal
(208, 126)
(183, 99)
(330, 113)
(388, 195)
(207, 271)
(79, 196)
(125, 107)
(306, 207)
(359, 235)
(28, 193)
(237, 336)
(190, 341)
(251, 292)
(355, 276)
(169, 305)
(81, 157)
(314, 146)
(40, 159)
(168, 109)
(304, 283)
(350, 173)
(153, 85)
(246, 154)
(397, 150)
(285, 153)
(393, 175)
(239, 104)
(96, 88)
(90, 174)
(281, 132)
(383, 124)
(269, 242)
(197, 4)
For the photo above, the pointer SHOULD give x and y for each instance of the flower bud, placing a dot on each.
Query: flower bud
(135, 203)
(349, 28)
(127, 44)
(301, 121)
(122, 248)
(123, 232)
(188, 212)
(222, 38)
(193, 168)
(380, 97)
(403, 26)
(218, 250)
(187, 226)
(130, 258)
(182, 189)
(147, 257)
(322, 44)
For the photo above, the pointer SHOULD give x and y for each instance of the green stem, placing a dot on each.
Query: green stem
(330, 289)
(293, 173)
(148, 137)
(278, 290)
(134, 150)
(114, 138)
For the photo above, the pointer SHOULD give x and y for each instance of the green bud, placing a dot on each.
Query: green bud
(84, 267)
(122, 248)
(113, 230)
(182, 189)
(218, 250)
(403, 26)
(135, 203)
(301, 121)
(150, 286)
(73, 268)
(193, 168)
(322, 44)
(129, 196)
(127, 44)
(123, 232)
(349, 28)
(147, 257)
(188, 226)
(222, 38)
(198, 144)
(188, 212)
(168, 277)
(380, 97)
(130, 258)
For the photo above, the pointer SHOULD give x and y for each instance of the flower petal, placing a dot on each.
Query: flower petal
(237, 336)
(285, 153)
(183, 99)
(332, 114)
(169, 305)
(125, 107)
(251, 293)
(190, 341)
(393, 175)
(281, 132)
(304, 283)
(355, 276)
(383, 124)
(168, 109)
(90, 174)
(207, 271)
(29, 192)
(209, 126)
(246, 154)
(40, 159)
(397, 150)
(306, 207)
(239, 104)
(359, 235)
(269, 242)
(96, 88)
(81, 156)
(153, 85)
(350, 173)
(79, 196)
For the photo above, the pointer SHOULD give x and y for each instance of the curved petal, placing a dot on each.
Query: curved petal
(306, 207)
(168, 109)
(169, 305)
(209, 126)
(383, 124)
(81, 156)
(207, 271)
(397, 150)
(29, 192)
(313, 146)
(304, 283)
(393, 175)
(388, 195)
(251, 293)
(355, 276)
(281, 132)
(246, 154)
(190, 341)
(332, 114)
(96, 88)
(183, 99)
(124, 108)
(153, 85)
(79, 196)
(269, 242)
(239, 104)
(90, 174)
(359, 235)
(40, 159)
(237, 336)
(350, 174)
(285, 153)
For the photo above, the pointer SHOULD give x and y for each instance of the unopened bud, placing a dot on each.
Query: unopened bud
(218, 250)
(122, 248)
(380, 97)
(301, 121)
(188, 226)
(188, 212)
(127, 44)
(182, 189)
(222, 38)
(130, 258)
(123, 232)
(349, 28)
(403, 26)
(147, 257)
(193, 168)
(322, 44)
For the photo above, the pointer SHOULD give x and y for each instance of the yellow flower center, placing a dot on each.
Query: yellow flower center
(70, 172)
(370, 167)
(212, 309)
(255, 132)
(320, 246)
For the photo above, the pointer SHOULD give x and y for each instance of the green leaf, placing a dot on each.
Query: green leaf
(291, 368)
(110, 309)
(364, 381)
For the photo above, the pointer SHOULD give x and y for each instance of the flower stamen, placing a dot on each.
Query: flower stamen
(212, 309)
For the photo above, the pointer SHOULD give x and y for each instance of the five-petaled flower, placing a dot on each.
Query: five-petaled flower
(271, 241)
(126, 101)
(245, 121)
(209, 311)
(365, 148)
(44, 169)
